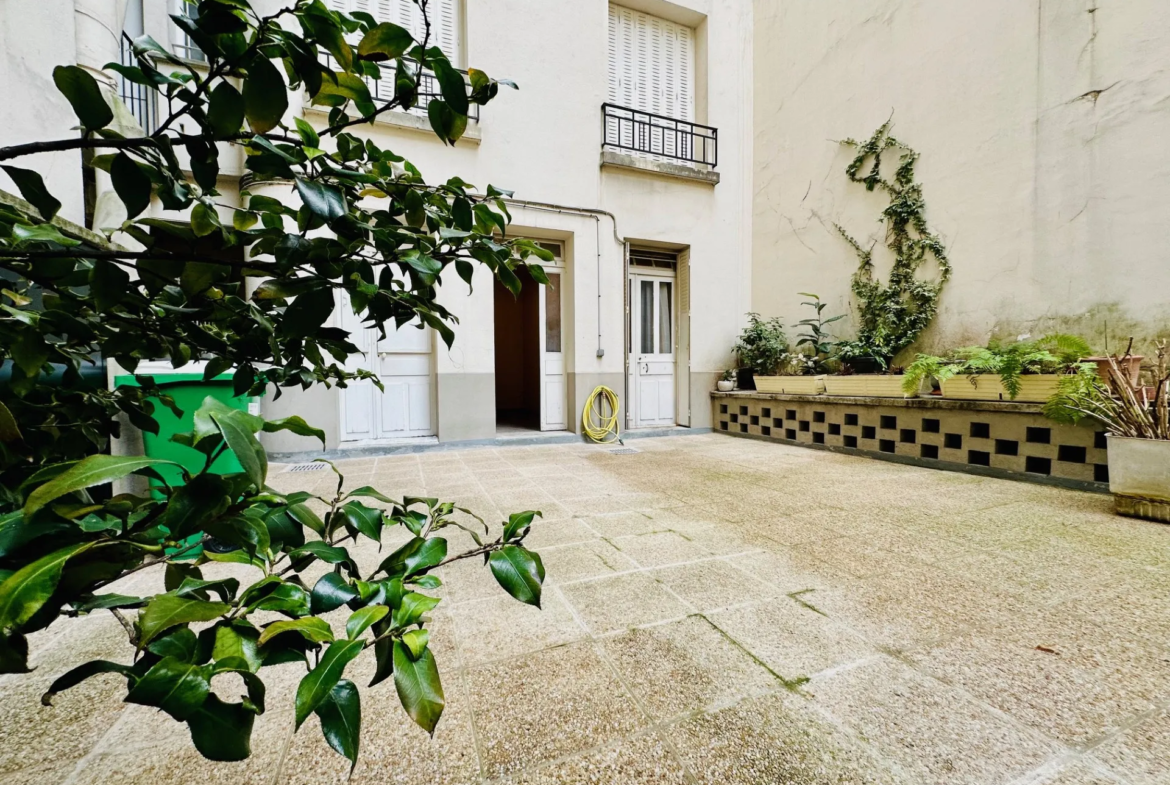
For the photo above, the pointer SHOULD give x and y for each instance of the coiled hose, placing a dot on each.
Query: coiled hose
(598, 425)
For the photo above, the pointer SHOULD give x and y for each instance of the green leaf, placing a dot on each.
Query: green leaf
(310, 628)
(192, 506)
(178, 688)
(181, 644)
(198, 589)
(413, 606)
(520, 572)
(319, 682)
(371, 492)
(419, 688)
(265, 95)
(84, 95)
(287, 598)
(308, 312)
(24, 592)
(225, 112)
(90, 471)
(365, 519)
(33, 189)
(451, 84)
(330, 593)
(131, 184)
(416, 641)
(324, 201)
(416, 555)
(307, 133)
(330, 554)
(166, 611)
(348, 86)
(518, 522)
(241, 441)
(80, 674)
(415, 213)
(341, 720)
(108, 284)
(360, 621)
(295, 424)
(104, 601)
(385, 42)
(204, 220)
(222, 731)
(305, 516)
(9, 432)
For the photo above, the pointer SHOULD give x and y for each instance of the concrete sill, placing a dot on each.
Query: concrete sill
(410, 122)
(613, 160)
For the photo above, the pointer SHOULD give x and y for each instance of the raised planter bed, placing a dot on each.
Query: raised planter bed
(791, 385)
(996, 438)
(1034, 388)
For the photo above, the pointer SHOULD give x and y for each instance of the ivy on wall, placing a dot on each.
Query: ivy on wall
(894, 314)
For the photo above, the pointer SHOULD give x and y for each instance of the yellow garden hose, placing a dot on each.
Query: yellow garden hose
(606, 429)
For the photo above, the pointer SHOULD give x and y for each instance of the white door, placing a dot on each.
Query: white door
(552, 355)
(402, 362)
(652, 347)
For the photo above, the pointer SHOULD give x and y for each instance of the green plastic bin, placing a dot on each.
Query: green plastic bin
(188, 390)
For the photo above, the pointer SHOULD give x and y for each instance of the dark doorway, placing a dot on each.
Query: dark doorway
(518, 356)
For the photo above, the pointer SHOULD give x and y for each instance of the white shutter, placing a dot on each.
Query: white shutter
(651, 64)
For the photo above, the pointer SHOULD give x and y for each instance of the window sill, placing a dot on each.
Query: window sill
(679, 171)
(409, 122)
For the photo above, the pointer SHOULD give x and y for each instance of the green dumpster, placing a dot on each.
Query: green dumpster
(188, 390)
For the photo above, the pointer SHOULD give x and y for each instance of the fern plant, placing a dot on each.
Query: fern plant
(1055, 353)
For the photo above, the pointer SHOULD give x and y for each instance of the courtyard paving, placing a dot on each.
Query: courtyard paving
(717, 610)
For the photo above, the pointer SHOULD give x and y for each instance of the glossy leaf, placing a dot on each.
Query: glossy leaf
(520, 572)
(90, 471)
(225, 112)
(166, 611)
(418, 685)
(24, 592)
(323, 200)
(319, 682)
(179, 688)
(361, 619)
(330, 593)
(310, 628)
(265, 95)
(384, 42)
(80, 674)
(84, 95)
(222, 731)
(131, 184)
(241, 441)
(341, 720)
(33, 189)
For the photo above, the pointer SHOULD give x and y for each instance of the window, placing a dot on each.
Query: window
(552, 313)
(444, 15)
(651, 64)
(183, 45)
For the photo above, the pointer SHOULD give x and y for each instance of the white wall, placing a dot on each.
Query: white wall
(1041, 126)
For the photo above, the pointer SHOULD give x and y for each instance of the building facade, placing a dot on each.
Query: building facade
(628, 149)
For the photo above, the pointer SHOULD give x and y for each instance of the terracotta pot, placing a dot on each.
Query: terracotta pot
(1133, 371)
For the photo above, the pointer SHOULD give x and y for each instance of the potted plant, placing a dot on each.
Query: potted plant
(726, 381)
(802, 372)
(1137, 424)
(1025, 371)
(760, 349)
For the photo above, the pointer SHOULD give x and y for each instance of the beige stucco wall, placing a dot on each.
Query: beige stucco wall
(1041, 125)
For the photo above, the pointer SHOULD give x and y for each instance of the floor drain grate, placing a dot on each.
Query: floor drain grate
(305, 467)
(624, 451)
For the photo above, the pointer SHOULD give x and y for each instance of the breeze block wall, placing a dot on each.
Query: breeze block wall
(1009, 440)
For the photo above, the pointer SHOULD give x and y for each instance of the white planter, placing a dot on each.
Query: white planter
(866, 385)
(725, 385)
(1139, 477)
(1034, 388)
(791, 385)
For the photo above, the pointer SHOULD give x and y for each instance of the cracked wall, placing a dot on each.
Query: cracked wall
(1042, 127)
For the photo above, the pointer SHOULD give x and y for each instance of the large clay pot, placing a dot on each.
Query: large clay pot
(1131, 366)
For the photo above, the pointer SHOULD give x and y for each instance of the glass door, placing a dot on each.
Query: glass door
(652, 350)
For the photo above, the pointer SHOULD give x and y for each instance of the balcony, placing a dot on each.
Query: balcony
(635, 139)
(382, 90)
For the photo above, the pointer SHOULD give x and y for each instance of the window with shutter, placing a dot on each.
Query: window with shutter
(445, 18)
(651, 64)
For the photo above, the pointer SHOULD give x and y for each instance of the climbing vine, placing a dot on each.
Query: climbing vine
(894, 314)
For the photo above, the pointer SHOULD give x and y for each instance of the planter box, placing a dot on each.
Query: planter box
(864, 385)
(1139, 477)
(1034, 388)
(791, 385)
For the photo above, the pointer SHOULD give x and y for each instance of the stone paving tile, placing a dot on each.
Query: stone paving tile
(618, 603)
(775, 739)
(495, 629)
(932, 731)
(660, 548)
(591, 559)
(685, 666)
(1083, 773)
(713, 584)
(791, 639)
(1142, 753)
(544, 533)
(555, 703)
(644, 759)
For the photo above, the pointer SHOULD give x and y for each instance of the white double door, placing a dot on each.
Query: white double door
(652, 349)
(403, 361)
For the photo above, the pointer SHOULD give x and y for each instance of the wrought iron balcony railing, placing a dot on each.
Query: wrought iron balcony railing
(138, 98)
(643, 133)
(382, 90)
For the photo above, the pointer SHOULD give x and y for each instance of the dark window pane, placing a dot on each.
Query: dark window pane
(647, 342)
(552, 313)
(665, 345)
